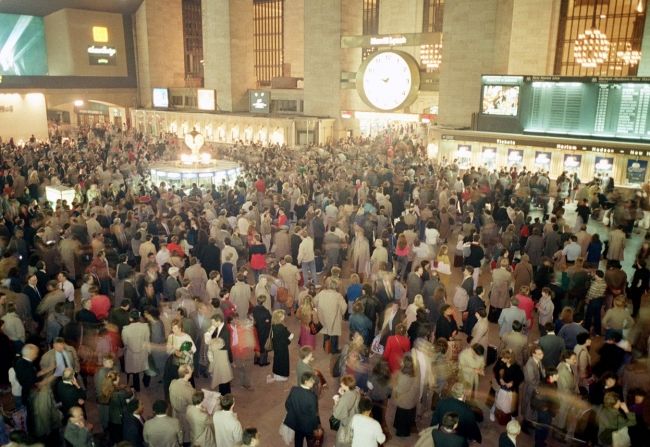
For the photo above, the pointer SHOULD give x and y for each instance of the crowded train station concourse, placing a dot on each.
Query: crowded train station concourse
(324, 223)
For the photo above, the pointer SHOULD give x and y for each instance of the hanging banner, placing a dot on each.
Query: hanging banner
(604, 165)
(572, 162)
(515, 158)
(489, 157)
(543, 160)
(464, 156)
(636, 171)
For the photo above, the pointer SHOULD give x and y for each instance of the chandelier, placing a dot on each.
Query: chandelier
(591, 48)
(431, 56)
(629, 56)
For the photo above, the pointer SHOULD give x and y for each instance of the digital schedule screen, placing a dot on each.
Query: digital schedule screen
(613, 108)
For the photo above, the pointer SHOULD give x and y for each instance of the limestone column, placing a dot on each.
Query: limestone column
(159, 47)
(467, 52)
(228, 52)
(322, 57)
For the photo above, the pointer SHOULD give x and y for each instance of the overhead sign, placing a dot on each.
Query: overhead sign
(390, 40)
(260, 101)
(103, 55)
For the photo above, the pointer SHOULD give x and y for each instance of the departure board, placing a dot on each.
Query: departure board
(592, 107)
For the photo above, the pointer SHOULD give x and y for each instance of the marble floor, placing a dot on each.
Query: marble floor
(263, 406)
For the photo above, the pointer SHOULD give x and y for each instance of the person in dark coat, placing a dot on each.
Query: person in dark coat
(509, 437)
(69, 393)
(447, 434)
(280, 338)
(7, 357)
(133, 425)
(302, 409)
(474, 304)
(34, 294)
(210, 257)
(26, 372)
(467, 425)
(262, 321)
(372, 308)
(446, 326)
(639, 285)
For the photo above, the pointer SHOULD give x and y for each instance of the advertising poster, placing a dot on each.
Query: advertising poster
(543, 160)
(604, 166)
(572, 162)
(500, 100)
(636, 171)
(515, 158)
(464, 156)
(489, 157)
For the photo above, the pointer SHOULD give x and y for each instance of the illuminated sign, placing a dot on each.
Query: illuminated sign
(103, 55)
(507, 142)
(100, 34)
(260, 101)
(388, 40)
(22, 45)
(205, 99)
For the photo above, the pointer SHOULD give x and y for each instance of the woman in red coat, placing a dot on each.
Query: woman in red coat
(396, 346)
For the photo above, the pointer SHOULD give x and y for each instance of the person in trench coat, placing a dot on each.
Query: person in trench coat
(136, 337)
(200, 423)
(616, 244)
(198, 279)
(331, 307)
(181, 393)
(219, 354)
(523, 274)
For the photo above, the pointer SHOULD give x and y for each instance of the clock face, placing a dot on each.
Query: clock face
(388, 80)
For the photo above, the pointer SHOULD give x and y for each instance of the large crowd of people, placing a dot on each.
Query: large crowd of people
(447, 300)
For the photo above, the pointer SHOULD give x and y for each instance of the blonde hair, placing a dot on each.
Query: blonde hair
(278, 316)
(354, 278)
(418, 300)
(620, 301)
(443, 250)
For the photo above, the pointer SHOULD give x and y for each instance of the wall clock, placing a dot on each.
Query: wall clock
(388, 80)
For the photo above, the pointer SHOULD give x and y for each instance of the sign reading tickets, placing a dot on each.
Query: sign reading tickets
(636, 171)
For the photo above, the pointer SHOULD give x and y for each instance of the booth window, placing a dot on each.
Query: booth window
(193, 43)
(432, 16)
(370, 24)
(622, 21)
(268, 32)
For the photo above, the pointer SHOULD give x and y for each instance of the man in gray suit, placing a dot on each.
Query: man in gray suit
(509, 316)
(534, 373)
(162, 430)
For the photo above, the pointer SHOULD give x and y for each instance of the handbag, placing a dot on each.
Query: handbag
(314, 327)
(376, 347)
(268, 344)
(443, 268)
(335, 423)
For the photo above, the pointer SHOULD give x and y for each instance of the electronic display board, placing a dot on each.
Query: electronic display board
(612, 108)
(22, 46)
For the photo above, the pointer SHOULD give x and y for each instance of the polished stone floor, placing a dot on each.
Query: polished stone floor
(263, 407)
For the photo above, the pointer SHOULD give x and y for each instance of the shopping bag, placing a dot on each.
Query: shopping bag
(376, 346)
(286, 434)
(621, 438)
(503, 401)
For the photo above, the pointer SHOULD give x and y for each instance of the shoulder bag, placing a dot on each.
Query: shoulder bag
(268, 345)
